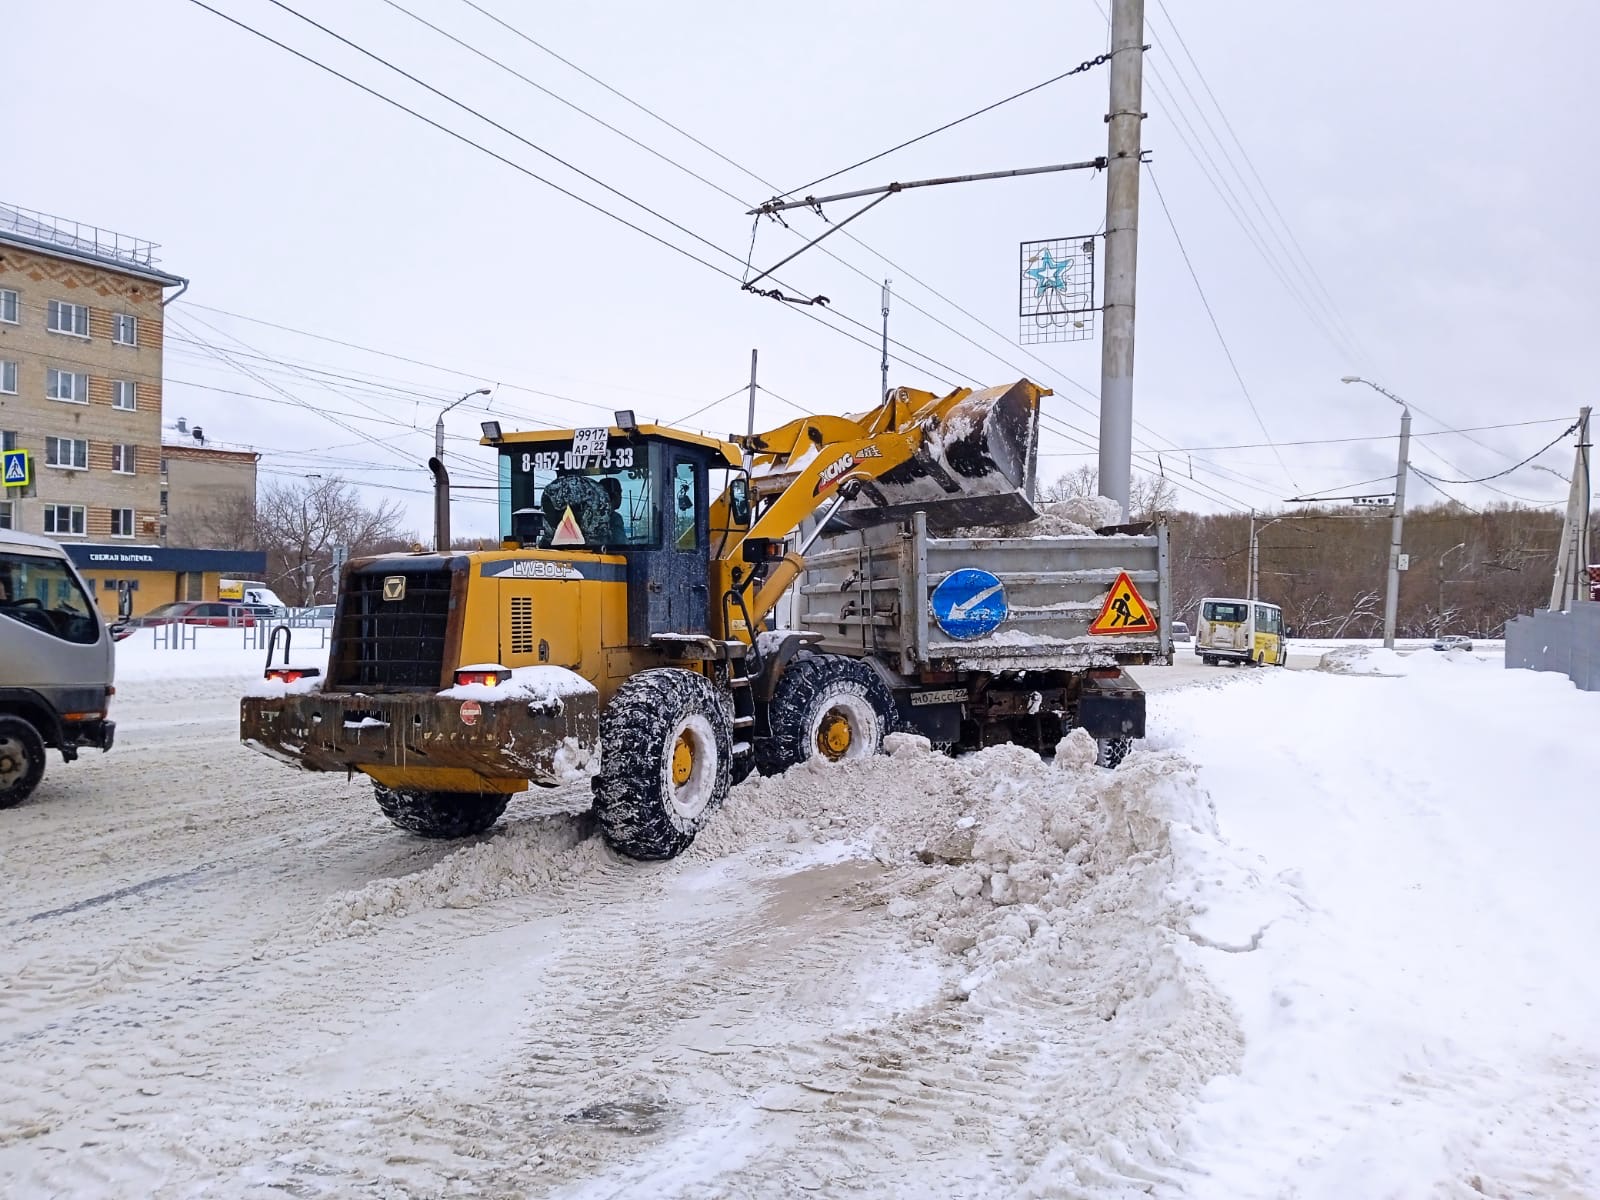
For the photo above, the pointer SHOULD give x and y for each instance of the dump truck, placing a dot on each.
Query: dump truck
(624, 632)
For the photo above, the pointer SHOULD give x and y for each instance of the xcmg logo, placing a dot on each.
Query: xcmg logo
(842, 466)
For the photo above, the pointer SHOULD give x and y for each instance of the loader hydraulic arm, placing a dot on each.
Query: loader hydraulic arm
(951, 453)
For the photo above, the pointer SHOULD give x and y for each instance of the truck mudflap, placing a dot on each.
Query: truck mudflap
(1111, 706)
(427, 740)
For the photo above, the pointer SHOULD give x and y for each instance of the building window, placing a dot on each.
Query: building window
(66, 385)
(8, 306)
(8, 378)
(68, 318)
(124, 394)
(122, 522)
(164, 503)
(64, 519)
(8, 439)
(125, 329)
(5, 515)
(123, 460)
(72, 453)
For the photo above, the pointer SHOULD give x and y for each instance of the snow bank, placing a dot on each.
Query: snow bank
(526, 857)
(1407, 945)
(1376, 660)
(1048, 888)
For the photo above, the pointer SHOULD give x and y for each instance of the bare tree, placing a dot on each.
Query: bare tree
(300, 524)
(1149, 496)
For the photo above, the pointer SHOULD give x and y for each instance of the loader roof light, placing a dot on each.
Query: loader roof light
(491, 430)
(292, 674)
(624, 419)
(489, 675)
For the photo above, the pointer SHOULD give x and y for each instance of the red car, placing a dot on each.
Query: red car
(199, 612)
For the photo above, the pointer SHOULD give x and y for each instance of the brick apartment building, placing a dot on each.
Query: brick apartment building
(80, 378)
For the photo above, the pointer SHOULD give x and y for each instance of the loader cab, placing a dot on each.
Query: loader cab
(640, 492)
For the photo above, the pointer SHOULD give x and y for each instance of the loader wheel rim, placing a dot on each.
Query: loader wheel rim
(682, 761)
(846, 727)
(691, 743)
(834, 735)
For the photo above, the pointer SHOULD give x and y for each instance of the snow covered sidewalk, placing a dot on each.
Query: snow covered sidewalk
(1421, 1006)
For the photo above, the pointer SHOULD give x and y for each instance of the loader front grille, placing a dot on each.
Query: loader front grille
(385, 640)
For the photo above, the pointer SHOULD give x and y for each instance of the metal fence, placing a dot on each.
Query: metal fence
(1566, 642)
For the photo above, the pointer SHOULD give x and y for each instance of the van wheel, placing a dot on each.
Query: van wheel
(666, 742)
(827, 706)
(21, 760)
(441, 814)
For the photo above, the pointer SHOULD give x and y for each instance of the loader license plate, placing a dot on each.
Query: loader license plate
(942, 696)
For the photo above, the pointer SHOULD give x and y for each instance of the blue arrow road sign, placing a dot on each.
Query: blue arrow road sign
(16, 471)
(969, 603)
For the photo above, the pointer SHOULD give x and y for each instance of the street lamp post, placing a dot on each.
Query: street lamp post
(1442, 557)
(438, 426)
(441, 480)
(1391, 600)
(1255, 551)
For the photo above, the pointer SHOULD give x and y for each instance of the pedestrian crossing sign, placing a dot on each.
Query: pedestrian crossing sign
(1124, 611)
(18, 469)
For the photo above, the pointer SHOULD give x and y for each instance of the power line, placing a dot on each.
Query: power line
(1501, 474)
(1250, 400)
(1086, 65)
(1311, 269)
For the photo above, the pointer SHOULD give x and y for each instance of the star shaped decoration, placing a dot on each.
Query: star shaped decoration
(1049, 266)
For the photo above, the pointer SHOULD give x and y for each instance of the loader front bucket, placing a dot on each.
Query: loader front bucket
(977, 466)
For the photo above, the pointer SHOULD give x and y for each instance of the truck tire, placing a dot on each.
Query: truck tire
(1110, 751)
(826, 706)
(21, 760)
(441, 814)
(666, 745)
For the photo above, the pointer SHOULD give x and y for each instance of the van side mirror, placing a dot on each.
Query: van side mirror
(739, 501)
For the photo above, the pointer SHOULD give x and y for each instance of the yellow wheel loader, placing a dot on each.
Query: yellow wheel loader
(625, 629)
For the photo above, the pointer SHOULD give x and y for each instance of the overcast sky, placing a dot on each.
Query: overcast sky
(1433, 161)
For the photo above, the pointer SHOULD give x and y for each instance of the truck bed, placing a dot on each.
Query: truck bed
(868, 592)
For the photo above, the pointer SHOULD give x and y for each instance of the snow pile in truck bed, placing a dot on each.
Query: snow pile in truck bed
(1078, 517)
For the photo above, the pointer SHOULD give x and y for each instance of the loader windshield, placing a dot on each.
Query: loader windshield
(595, 496)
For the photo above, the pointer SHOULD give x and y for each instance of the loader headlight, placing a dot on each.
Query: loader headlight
(292, 674)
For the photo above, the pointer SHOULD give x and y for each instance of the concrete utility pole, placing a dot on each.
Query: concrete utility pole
(750, 424)
(1391, 600)
(1124, 119)
(1572, 562)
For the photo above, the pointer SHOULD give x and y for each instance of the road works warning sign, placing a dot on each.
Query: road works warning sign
(567, 532)
(1125, 610)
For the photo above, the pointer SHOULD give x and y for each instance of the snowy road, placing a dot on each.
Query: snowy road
(991, 977)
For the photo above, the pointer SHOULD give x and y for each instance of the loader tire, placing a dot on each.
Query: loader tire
(441, 814)
(826, 706)
(1110, 751)
(666, 745)
(21, 760)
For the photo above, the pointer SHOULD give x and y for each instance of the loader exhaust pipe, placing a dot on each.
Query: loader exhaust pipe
(441, 506)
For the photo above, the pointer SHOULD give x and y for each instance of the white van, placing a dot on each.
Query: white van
(1240, 631)
(248, 591)
(55, 663)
